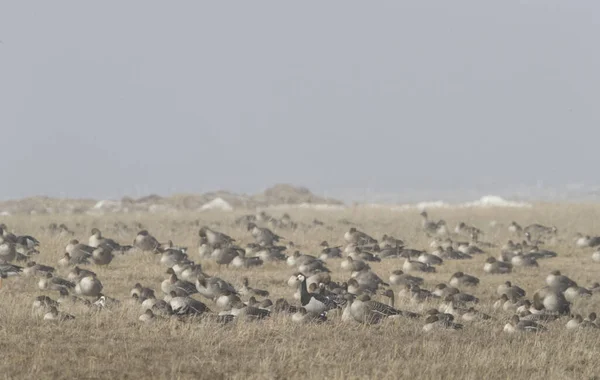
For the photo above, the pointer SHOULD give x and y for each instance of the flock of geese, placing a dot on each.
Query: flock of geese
(189, 293)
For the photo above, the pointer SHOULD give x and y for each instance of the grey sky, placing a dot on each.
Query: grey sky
(110, 98)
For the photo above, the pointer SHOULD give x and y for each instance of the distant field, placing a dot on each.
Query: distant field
(114, 344)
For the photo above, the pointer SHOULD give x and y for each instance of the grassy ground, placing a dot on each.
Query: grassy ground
(113, 344)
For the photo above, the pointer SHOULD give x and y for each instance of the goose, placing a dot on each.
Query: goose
(246, 290)
(389, 241)
(297, 259)
(359, 254)
(515, 228)
(473, 315)
(449, 253)
(387, 252)
(41, 305)
(55, 315)
(462, 279)
(539, 316)
(242, 311)
(575, 322)
(271, 253)
(418, 295)
(398, 277)
(77, 274)
(357, 237)
(96, 240)
(368, 278)
(204, 249)
(512, 291)
(226, 299)
(155, 304)
(282, 306)
(65, 298)
(524, 307)
(67, 261)
(494, 266)
(540, 230)
(241, 261)
(215, 237)
(141, 292)
(78, 252)
(539, 254)
(9, 270)
(225, 255)
(191, 272)
(147, 317)
(180, 287)
(102, 255)
(313, 267)
(33, 269)
(212, 287)
(49, 282)
(463, 229)
(574, 292)
(518, 325)
(89, 286)
(431, 227)
(355, 288)
(303, 316)
(179, 267)
(367, 311)
(587, 241)
(103, 302)
(313, 302)
(551, 299)
(185, 305)
(505, 303)
(469, 249)
(263, 236)
(429, 259)
(328, 252)
(478, 243)
(28, 243)
(462, 297)
(559, 281)
(443, 290)
(441, 322)
(417, 266)
(349, 264)
(8, 250)
(146, 242)
(521, 260)
(591, 318)
(170, 257)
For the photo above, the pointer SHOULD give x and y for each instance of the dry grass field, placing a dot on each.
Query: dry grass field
(113, 344)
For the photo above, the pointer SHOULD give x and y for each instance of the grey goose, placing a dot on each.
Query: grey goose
(215, 237)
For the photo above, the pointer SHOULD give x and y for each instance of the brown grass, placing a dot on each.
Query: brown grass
(113, 344)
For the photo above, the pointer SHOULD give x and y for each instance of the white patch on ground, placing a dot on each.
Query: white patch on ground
(217, 204)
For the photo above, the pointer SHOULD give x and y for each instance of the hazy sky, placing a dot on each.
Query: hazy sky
(109, 98)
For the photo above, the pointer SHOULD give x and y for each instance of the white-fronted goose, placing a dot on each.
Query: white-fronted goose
(493, 266)
(146, 242)
(518, 325)
(54, 315)
(462, 279)
(398, 277)
(180, 287)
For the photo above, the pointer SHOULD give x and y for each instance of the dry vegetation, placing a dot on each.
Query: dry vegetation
(113, 344)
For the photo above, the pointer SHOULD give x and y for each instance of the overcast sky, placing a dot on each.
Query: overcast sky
(104, 99)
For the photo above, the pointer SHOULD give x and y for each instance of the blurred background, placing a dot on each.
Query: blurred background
(388, 101)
